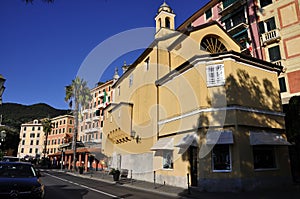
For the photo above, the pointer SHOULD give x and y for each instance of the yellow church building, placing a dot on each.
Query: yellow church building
(193, 110)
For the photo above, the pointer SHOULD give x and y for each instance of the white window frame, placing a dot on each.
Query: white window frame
(165, 159)
(215, 75)
(230, 161)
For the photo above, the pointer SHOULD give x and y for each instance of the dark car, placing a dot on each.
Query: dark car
(10, 159)
(20, 180)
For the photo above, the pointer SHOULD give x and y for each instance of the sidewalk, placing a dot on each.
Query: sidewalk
(135, 184)
(291, 192)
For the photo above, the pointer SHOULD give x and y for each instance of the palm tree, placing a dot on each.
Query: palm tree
(78, 92)
(47, 128)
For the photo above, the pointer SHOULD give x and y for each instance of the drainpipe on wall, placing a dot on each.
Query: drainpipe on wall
(157, 93)
(250, 28)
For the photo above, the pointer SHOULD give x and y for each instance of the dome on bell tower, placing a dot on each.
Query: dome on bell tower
(165, 7)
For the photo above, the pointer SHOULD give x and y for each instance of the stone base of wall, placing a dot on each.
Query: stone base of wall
(243, 184)
(177, 181)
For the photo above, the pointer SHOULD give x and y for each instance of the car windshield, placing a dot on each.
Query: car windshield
(16, 171)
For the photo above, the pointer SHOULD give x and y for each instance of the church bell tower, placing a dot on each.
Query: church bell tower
(165, 20)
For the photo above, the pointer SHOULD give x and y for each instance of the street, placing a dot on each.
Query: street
(61, 185)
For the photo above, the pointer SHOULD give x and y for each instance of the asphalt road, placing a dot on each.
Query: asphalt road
(61, 185)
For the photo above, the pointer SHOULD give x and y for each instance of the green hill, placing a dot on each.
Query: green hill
(13, 115)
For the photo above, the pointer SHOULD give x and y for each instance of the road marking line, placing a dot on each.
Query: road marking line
(83, 186)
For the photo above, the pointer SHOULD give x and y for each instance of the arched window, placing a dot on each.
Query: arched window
(167, 22)
(159, 22)
(212, 44)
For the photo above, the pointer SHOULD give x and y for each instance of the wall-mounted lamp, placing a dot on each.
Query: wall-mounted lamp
(137, 138)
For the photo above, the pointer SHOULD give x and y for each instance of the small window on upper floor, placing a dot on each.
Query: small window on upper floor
(264, 3)
(274, 54)
(282, 85)
(215, 75)
(147, 64)
(25, 128)
(267, 25)
(119, 91)
(130, 80)
(208, 14)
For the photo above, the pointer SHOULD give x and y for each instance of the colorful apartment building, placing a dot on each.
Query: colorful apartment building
(31, 140)
(193, 103)
(266, 29)
(62, 132)
(91, 123)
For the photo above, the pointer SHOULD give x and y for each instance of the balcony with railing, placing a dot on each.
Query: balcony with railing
(91, 130)
(84, 111)
(96, 118)
(101, 105)
(88, 120)
(270, 37)
(227, 6)
(277, 62)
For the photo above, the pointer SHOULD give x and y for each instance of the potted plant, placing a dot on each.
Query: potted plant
(115, 173)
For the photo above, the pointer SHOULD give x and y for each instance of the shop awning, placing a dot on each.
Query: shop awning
(265, 138)
(163, 144)
(188, 140)
(219, 137)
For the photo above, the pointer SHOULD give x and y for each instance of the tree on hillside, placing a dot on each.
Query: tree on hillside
(47, 128)
(78, 92)
(11, 142)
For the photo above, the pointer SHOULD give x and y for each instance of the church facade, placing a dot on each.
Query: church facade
(193, 110)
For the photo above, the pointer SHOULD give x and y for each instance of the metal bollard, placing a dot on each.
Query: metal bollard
(188, 183)
(131, 177)
(154, 174)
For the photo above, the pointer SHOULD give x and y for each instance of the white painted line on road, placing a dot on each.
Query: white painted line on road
(83, 186)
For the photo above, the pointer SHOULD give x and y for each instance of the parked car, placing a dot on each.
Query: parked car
(20, 180)
(10, 159)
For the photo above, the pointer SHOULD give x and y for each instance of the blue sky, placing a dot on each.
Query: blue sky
(42, 46)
